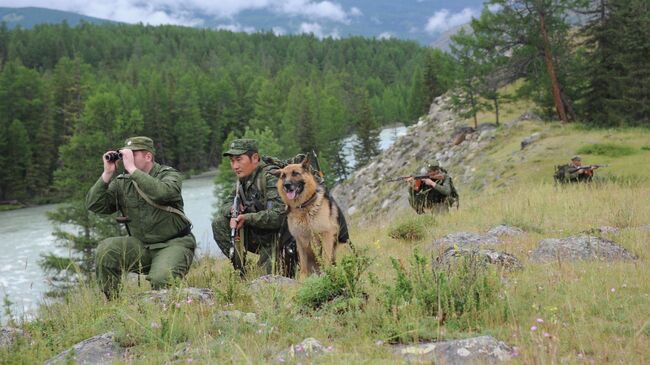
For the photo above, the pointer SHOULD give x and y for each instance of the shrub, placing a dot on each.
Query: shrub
(410, 230)
(464, 294)
(606, 149)
(340, 284)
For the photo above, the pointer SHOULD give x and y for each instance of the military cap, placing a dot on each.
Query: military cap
(139, 143)
(576, 158)
(432, 165)
(241, 146)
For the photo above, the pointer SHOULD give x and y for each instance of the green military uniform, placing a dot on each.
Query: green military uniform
(572, 174)
(438, 198)
(160, 244)
(264, 213)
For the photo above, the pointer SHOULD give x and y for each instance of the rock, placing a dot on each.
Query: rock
(503, 260)
(201, 295)
(8, 336)
(308, 349)
(273, 280)
(100, 349)
(505, 230)
(603, 230)
(476, 350)
(528, 116)
(237, 316)
(582, 247)
(530, 139)
(486, 127)
(466, 239)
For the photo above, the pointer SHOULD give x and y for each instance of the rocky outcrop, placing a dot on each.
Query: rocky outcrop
(307, 350)
(441, 135)
(96, 350)
(8, 336)
(477, 350)
(505, 230)
(581, 247)
(503, 260)
(189, 295)
(471, 239)
(530, 139)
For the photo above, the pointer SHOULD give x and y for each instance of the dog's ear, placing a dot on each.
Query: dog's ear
(305, 163)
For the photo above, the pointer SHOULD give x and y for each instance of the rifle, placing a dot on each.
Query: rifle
(417, 177)
(236, 252)
(588, 167)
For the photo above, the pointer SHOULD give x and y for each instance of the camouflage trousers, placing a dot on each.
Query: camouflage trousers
(160, 262)
(267, 246)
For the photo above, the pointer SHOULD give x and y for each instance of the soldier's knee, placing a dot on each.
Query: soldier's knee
(160, 279)
(105, 252)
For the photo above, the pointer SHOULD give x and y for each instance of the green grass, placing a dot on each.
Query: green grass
(591, 311)
(606, 149)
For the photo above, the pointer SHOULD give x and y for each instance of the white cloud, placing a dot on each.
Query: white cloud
(181, 12)
(317, 30)
(279, 31)
(354, 11)
(386, 35)
(443, 20)
(236, 27)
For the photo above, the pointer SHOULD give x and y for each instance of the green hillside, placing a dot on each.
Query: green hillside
(28, 17)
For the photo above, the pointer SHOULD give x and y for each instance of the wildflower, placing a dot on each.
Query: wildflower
(379, 343)
(280, 359)
(613, 290)
(539, 320)
(546, 334)
(533, 328)
(259, 332)
(155, 325)
(178, 305)
(298, 348)
(330, 348)
(189, 300)
(189, 360)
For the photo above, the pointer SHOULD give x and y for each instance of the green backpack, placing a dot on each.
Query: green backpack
(561, 174)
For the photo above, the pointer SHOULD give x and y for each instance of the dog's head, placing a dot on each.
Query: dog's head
(296, 184)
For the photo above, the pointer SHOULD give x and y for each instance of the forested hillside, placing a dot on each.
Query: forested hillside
(68, 94)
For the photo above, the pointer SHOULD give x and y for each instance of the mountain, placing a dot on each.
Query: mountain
(29, 17)
(423, 21)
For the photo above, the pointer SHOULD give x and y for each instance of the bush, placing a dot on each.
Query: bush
(463, 295)
(410, 230)
(340, 284)
(606, 149)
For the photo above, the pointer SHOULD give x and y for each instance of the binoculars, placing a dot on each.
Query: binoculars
(113, 156)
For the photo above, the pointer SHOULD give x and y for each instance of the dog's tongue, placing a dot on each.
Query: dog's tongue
(291, 194)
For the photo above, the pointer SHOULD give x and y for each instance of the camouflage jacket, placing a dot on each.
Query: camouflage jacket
(428, 195)
(149, 224)
(263, 208)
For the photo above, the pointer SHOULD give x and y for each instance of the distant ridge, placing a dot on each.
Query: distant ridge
(31, 16)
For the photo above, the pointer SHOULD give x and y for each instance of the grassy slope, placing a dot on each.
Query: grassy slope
(595, 310)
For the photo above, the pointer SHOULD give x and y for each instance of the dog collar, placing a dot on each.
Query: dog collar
(308, 202)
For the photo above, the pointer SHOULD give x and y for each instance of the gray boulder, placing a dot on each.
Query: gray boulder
(502, 260)
(273, 280)
(308, 349)
(237, 316)
(530, 139)
(201, 295)
(476, 350)
(461, 239)
(505, 230)
(96, 350)
(8, 336)
(582, 247)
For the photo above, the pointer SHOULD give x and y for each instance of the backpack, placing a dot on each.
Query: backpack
(453, 196)
(561, 174)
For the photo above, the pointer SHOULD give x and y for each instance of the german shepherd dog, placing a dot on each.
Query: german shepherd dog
(313, 216)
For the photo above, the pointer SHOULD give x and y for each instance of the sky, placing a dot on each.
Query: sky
(185, 12)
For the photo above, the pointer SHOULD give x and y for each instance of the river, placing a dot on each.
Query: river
(26, 234)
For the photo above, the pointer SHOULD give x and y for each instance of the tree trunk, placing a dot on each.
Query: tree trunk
(548, 58)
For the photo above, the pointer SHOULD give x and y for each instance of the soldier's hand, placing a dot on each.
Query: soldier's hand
(109, 167)
(128, 159)
(409, 179)
(237, 222)
(429, 182)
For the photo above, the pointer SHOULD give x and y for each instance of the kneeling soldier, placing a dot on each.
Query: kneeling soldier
(160, 243)
(435, 192)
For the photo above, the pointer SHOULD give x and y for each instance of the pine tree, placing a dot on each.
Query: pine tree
(417, 104)
(367, 145)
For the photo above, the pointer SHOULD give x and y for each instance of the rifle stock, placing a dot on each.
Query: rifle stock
(437, 177)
